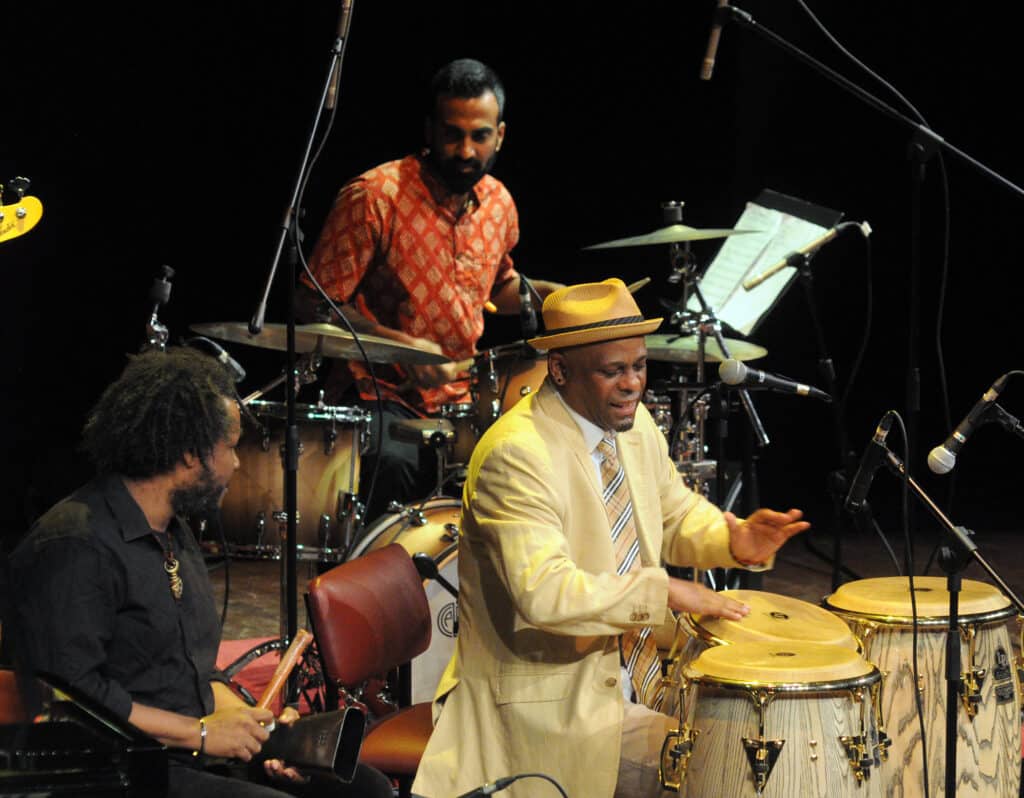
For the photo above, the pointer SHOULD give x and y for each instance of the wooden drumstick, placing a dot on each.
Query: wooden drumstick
(285, 667)
(634, 287)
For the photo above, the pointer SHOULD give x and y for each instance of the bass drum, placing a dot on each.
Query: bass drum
(431, 527)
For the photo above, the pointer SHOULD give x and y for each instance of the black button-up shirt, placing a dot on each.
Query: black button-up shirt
(96, 608)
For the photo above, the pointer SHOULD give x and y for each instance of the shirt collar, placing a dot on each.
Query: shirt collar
(129, 515)
(592, 434)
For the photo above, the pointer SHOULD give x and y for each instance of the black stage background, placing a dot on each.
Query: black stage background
(171, 134)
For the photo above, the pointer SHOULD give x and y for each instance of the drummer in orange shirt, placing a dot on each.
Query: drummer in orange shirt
(413, 250)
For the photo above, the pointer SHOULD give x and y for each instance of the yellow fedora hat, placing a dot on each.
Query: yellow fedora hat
(591, 312)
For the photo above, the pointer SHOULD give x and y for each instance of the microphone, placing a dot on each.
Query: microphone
(527, 314)
(794, 258)
(219, 354)
(734, 372)
(716, 33)
(942, 459)
(869, 463)
(344, 20)
(159, 294)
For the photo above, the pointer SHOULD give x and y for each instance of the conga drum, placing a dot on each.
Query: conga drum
(772, 618)
(775, 720)
(988, 746)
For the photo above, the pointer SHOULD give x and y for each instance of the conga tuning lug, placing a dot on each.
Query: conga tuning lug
(675, 757)
(856, 752)
(970, 690)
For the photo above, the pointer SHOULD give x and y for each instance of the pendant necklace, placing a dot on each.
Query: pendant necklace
(171, 566)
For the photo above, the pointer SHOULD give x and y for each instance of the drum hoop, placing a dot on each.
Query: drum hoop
(827, 686)
(339, 413)
(880, 619)
(370, 535)
(458, 410)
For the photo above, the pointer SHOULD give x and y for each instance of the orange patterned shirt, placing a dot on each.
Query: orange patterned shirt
(407, 262)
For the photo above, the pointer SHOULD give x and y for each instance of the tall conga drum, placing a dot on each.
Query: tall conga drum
(988, 726)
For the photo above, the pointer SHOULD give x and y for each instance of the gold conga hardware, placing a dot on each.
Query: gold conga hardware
(675, 757)
(762, 754)
(973, 677)
(883, 740)
(856, 752)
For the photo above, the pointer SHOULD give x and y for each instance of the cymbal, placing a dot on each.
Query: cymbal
(329, 340)
(683, 349)
(673, 234)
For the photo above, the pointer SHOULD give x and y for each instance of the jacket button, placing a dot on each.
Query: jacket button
(611, 681)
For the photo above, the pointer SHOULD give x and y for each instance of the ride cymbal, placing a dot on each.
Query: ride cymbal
(683, 349)
(329, 340)
(673, 234)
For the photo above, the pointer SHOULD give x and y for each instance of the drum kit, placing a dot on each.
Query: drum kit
(797, 699)
(800, 699)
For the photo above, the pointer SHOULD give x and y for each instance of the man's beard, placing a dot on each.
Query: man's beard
(457, 181)
(201, 498)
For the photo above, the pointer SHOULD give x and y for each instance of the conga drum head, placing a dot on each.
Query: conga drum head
(782, 665)
(886, 599)
(773, 617)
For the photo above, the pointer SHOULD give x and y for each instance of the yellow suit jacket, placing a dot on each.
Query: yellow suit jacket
(534, 683)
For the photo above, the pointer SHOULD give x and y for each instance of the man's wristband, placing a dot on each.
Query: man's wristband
(202, 738)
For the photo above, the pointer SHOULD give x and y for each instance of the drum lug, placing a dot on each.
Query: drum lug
(762, 755)
(857, 753)
(261, 528)
(676, 751)
(330, 439)
(451, 533)
(970, 690)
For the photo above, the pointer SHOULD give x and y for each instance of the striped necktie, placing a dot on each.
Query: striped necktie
(639, 650)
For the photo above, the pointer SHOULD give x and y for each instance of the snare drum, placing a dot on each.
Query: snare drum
(431, 527)
(772, 618)
(502, 376)
(775, 720)
(988, 747)
(331, 441)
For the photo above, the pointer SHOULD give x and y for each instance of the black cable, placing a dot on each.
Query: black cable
(905, 513)
(947, 228)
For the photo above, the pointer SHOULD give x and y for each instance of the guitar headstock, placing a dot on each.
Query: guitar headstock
(22, 215)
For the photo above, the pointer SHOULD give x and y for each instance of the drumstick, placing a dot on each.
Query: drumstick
(634, 287)
(285, 666)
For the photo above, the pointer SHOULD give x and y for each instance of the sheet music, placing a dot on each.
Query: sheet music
(747, 255)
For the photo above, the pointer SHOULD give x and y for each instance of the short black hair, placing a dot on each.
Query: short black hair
(163, 405)
(465, 78)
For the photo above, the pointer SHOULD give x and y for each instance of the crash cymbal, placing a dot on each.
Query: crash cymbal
(683, 349)
(673, 234)
(329, 340)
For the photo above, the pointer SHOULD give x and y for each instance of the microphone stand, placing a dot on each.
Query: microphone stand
(826, 367)
(289, 619)
(924, 143)
(953, 561)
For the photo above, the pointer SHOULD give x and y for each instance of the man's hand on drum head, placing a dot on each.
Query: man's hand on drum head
(687, 596)
(755, 539)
